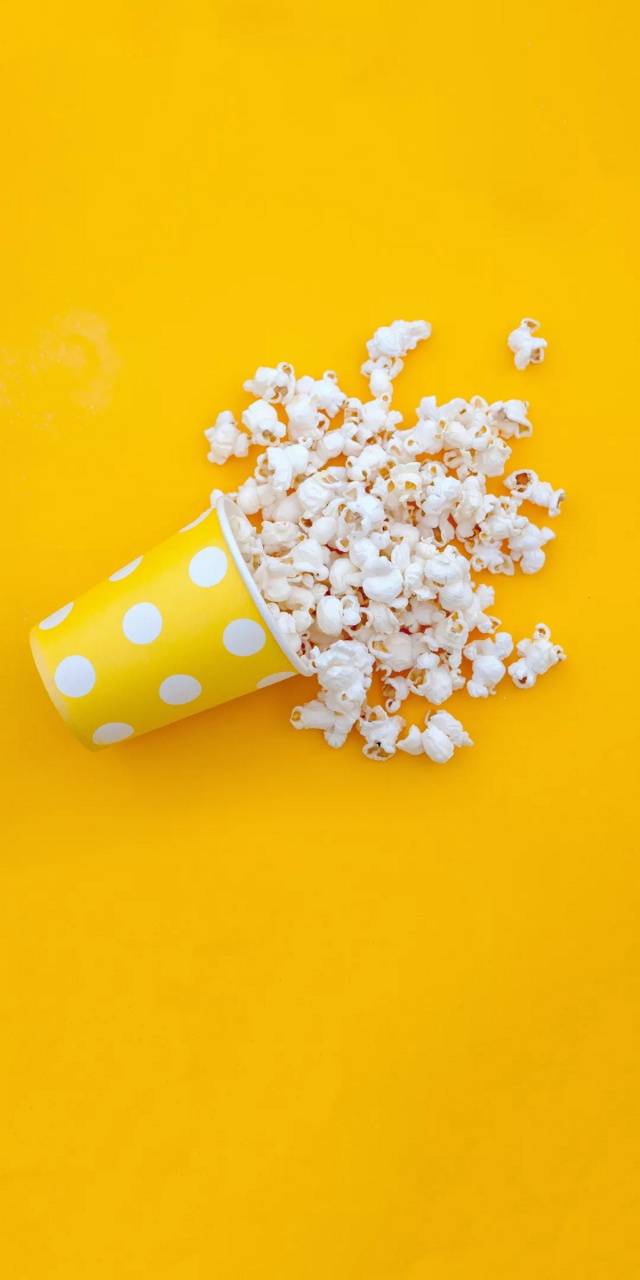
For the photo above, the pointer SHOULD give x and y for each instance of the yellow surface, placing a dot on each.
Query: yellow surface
(268, 1010)
(173, 632)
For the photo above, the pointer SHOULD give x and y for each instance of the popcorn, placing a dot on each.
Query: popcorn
(380, 732)
(262, 423)
(396, 690)
(526, 543)
(324, 392)
(395, 340)
(344, 673)
(488, 668)
(364, 537)
(382, 582)
(225, 440)
(526, 348)
(329, 615)
(537, 656)
(336, 725)
(279, 535)
(344, 576)
(510, 417)
(248, 497)
(539, 492)
(436, 683)
(308, 556)
(442, 735)
(314, 494)
(412, 742)
(272, 384)
(304, 416)
(439, 739)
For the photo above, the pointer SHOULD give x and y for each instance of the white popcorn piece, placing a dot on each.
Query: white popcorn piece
(442, 735)
(435, 683)
(313, 715)
(351, 611)
(488, 666)
(314, 494)
(344, 675)
(324, 392)
(225, 440)
(510, 418)
(380, 378)
(247, 497)
(411, 744)
(329, 615)
(527, 348)
(537, 656)
(287, 507)
(380, 732)
(529, 488)
(395, 652)
(365, 538)
(324, 528)
(279, 535)
(344, 576)
(381, 620)
(282, 464)
(395, 340)
(336, 725)
(309, 556)
(362, 551)
(381, 581)
(526, 543)
(274, 385)
(304, 417)
(396, 690)
(263, 424)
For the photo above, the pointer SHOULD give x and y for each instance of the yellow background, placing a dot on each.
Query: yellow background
(269, 1010)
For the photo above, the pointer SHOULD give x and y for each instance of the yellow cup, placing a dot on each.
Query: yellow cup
(176, 631)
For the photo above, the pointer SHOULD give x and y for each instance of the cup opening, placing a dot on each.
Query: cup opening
(223, 505)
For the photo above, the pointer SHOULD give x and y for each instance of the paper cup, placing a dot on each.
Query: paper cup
(176, 631)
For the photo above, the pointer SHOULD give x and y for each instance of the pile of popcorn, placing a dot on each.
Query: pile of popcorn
(364, 536)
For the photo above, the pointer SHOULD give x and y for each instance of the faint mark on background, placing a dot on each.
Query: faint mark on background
(69, 371)
(76, 354)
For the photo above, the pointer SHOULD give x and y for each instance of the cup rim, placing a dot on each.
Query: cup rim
(222, 505)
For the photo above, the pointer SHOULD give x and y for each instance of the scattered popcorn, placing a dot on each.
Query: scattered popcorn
(365, 536)
(443, 733)
(539, 492)
(488, 668)
(537, 656)
(526, 348)
(330, 615)
(262, 423)
(225, 440)
(394, 340)
(380, 732)
(412, 742)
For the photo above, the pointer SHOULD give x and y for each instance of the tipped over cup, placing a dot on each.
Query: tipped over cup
(176, 631)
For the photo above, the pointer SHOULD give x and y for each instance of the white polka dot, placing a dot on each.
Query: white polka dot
(114, 731)
(56, 618)
(75, 676)
(208, 567)
(198, 520)
(142, 623)
(176, 690)
(126, 570)
(274, 679)
(244, 637)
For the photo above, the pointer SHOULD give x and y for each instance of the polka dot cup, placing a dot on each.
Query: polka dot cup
(176, 631)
